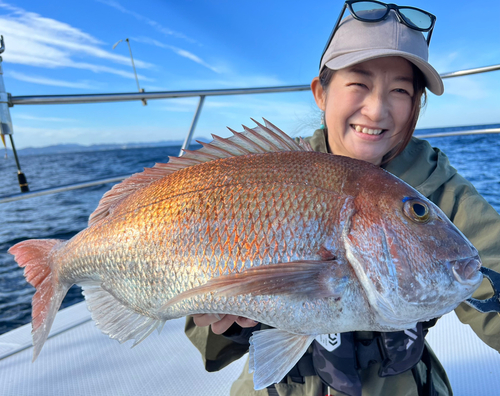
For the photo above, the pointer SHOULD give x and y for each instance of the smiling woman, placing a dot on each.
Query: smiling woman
(371, 86)
(368, 111)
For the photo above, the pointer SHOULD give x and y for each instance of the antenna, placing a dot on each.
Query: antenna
(144, 102)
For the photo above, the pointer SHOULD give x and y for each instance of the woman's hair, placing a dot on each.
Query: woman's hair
(419, 100)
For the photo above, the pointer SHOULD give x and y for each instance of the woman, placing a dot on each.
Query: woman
(372, 80)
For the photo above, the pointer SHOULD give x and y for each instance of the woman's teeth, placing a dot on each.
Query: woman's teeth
(368, 130)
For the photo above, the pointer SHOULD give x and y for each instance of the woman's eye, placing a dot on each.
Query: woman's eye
(358, 84)
(403, 91)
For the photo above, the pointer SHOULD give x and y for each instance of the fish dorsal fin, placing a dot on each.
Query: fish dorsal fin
(261, 139)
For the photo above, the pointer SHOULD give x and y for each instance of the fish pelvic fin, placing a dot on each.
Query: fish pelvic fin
(261, 139)
(114, 318)
(305, 279)
(273, 353)
(34, 256)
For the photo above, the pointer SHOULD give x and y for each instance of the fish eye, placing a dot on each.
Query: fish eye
(416, 210)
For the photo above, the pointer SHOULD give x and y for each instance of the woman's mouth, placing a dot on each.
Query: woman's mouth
(367, 131)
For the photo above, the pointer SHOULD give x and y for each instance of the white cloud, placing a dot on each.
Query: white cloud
(465, 87)
(50, 81)
(34, 40)
(44, 119)
(226, 80)
(178, 51)
(239, 81)
(180, 105)
(159, 27)
(444, 62)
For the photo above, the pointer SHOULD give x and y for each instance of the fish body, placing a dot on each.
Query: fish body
(220, 218)
(260, 227)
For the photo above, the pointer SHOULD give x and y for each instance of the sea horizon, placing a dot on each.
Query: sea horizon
(76, 147)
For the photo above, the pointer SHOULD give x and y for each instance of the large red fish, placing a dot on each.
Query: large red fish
(259, 226)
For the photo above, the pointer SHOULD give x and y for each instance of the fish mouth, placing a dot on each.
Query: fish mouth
(466, 271)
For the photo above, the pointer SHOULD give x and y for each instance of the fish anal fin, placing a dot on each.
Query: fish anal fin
(273, 353)
(310, 279)
(115, 319)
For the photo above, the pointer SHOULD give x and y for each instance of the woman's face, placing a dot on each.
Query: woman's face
(367, 107)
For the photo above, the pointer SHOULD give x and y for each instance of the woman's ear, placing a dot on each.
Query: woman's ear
(319, 93)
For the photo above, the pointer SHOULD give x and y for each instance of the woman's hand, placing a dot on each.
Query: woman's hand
(220, 323)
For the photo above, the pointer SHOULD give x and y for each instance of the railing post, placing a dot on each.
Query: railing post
(6, 123)
(5, 120)
(189, 136)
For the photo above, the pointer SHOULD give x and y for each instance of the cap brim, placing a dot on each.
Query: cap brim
(432, 77)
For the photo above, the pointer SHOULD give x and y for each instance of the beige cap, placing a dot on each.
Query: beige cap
(357, 41)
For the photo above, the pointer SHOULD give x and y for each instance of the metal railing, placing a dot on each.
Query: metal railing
(457, 133)
(468, 72)
(130, 96)
(54, 190)
(202, 94)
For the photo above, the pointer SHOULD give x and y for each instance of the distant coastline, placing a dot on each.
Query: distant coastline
(78, 148)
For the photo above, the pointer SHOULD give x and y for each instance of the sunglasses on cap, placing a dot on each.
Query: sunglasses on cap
(376, 11)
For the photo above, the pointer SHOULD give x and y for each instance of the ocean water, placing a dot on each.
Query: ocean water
(65, 214)
(59, 216)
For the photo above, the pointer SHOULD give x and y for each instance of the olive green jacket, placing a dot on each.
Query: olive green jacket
(428, 170)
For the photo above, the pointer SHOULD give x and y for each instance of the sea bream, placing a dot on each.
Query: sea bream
(260, 226)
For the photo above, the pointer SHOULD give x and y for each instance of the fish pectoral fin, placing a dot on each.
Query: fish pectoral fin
(273, 353)
(115, 319)
(310, 279)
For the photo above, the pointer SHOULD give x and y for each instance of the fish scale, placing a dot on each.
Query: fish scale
(258, 226)
(222, 218)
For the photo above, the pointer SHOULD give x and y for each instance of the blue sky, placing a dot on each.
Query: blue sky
(65, 47)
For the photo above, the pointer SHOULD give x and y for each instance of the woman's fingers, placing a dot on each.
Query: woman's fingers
(220, 322)
(203, 320)
(245, 322)
(225, 323)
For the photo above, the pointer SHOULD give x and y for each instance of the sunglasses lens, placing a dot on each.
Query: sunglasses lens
(369, 10)
(416, 18)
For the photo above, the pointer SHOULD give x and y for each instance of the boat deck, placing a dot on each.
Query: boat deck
(78, 359)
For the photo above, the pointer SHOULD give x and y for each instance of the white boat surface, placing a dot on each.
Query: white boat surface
(78, 359)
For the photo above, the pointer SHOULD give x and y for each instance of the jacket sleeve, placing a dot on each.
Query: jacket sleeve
(480, 223)
(217, 351)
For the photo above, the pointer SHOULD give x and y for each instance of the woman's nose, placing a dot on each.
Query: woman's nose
(375, 107)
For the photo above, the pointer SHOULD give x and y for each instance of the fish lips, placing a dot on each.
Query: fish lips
(466, 270)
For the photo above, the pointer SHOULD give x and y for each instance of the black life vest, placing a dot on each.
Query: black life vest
(338, 357)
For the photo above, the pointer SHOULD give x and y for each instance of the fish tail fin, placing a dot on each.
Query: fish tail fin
(34, 256)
